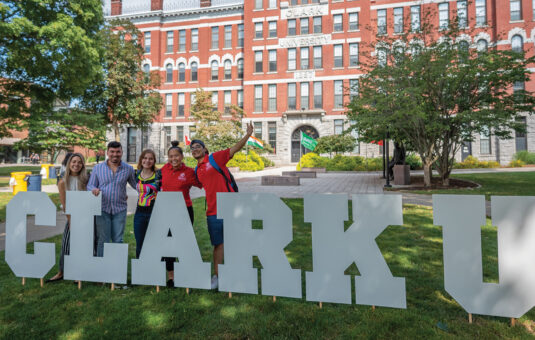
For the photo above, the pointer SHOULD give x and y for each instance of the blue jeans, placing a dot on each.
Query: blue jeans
(141, 223)
(110, 227)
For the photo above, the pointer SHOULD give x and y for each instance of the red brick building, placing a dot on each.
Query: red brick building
(291, 64)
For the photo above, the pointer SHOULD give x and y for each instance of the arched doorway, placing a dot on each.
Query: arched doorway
(297, 149)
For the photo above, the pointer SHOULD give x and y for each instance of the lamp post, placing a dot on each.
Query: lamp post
(384, 159)
(385, 143)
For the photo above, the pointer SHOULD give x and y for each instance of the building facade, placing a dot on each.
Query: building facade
(293, 65)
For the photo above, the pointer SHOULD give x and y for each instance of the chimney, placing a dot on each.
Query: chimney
(116, 7)
(206, 3)
(156, 5)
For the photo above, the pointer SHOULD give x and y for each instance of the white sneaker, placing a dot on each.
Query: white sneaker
(215, 282)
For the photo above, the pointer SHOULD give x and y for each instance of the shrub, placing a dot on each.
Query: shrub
(525, 156)
(91, 160)
(414, 161)
(472, 162)
(251, 162)
(340, 163)
(311, 160)
(190, 161)
(516, 163)
(267, 161)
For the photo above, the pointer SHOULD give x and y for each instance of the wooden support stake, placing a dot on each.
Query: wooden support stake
(157, 289)
(274, 298)
(513, 322)
(187, 290)
(79, 285)
(113, 286)
(42, 282)
(321, 304)
(469, 317)
(373, 308)
(230, 295)
(23, 281)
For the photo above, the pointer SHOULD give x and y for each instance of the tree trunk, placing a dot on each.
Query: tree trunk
(427, 174)
(117, 133)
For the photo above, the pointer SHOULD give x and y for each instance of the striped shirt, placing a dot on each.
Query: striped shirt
(112, 185)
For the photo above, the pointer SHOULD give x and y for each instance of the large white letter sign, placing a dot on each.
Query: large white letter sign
(461, 218)
(242, 243)
(334, 250)
(81, 264)
(170, 213)
(34, 265)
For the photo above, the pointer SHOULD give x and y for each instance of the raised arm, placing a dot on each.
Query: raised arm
(242, 141)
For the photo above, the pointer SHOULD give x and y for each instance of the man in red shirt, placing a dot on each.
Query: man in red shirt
(213, 182)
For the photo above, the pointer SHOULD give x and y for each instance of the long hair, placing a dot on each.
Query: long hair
(82, 176)
(143, 154)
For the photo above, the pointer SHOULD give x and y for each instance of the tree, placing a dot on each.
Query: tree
(216, 132)
(432, 93)
(125, 95)
(49, 50)
(335, 143)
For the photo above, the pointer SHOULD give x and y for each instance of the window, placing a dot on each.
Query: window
(354, 54)
(443, 15)
(354, 21)
(169, 73)
(272, 134)
(355, 134)
(170, 41)
(398, 20)
(180, 133)
(258, 62)
(518, 86)
(168, 105)
(272, 57)
(227, 99)
(192, 98)
(293, 2)
(272, 4)
(214, 66)
(181, 104)
(338, 126)
(318, 95)
(303, 29)
(381, 56)
(240, 68)
(338, 94)
(181, 73)
(516, 10)
(304, 96)
(291, 27)
(272, 98)
(292, 56)
(194, 71)
(484, 141)
(146, 68)
(181, 40)
(258, 98)
(462, 15)
(481, 12)
(318, 52)
(258, 32)
(167, 132)
(228, 36)
(215, 38)
(240, 99)
(194, 39)
(304, 58)
(215, 100)
(338, 56)
(353, 88)
(240, 35)
(192, 131)
(228, 69)
(338, 25)
(517, 43)
(258, 129)
(317, 25)
(520, 136)
(258, 4)
(292, 93)
(147, 42)
(381, 21)
(482, 46)
(272, 26)
(415, 18)
(463, 50)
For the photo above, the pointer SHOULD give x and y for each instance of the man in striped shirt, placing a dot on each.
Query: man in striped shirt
(110, 179)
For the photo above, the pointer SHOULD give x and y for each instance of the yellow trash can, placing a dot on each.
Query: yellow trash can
(18, 181)
(44, 170)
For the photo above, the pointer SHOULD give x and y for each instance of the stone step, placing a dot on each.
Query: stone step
(280, 180)
(317, 170)
(302, 174)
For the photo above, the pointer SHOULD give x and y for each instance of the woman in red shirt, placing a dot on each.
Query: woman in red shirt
(176, 176)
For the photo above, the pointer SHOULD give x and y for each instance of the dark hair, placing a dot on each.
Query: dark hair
(143, 154)
(174, 146)
(66, 159)
(114, 145)
(197, 141)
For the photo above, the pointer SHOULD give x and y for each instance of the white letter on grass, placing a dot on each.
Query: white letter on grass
(461, 218)
(170, 213)
(242, 243)
(334, 250)
(39, 263)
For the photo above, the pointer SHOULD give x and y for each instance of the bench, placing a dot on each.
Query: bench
(280, 180)
(317, 170)
(301, 174)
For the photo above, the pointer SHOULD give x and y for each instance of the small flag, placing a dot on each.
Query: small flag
(308, 142)
(378, 142)
(188, 142)
(253, 141)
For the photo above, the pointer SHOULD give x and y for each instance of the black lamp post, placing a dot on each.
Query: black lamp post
(384, 159)
(385, 143)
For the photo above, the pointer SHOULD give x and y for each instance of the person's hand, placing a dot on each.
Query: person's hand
(250, 128)
(96, 191)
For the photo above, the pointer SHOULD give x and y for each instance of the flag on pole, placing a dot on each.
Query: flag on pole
(187, 141)
(253, 141)
(308, 142)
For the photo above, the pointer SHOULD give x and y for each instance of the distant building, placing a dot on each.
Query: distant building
(292, 65)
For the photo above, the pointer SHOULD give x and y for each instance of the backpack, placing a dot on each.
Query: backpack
(231, 183)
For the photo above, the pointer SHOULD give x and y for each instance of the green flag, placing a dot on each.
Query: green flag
(308, 142)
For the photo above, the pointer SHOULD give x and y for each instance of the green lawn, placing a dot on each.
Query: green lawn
(4, 181)
(7, 170)
(501, 183)
(413, 251)
(5, 197)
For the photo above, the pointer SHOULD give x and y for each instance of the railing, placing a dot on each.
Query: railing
(139, 6)
(226, 2)
(175, 5)
(135, 6)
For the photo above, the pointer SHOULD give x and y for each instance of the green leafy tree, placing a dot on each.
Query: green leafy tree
(432, 93)
(335, 144)
(125, 95)
(49, 50)
(217, 132)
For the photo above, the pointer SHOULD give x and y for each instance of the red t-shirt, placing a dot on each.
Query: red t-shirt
(181, 179)
(211, 180)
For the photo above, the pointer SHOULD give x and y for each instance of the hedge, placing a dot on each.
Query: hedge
(472, 162)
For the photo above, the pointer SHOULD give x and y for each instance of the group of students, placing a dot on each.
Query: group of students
(110, 178)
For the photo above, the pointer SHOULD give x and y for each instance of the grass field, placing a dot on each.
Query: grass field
(413, 251)
(5, 197)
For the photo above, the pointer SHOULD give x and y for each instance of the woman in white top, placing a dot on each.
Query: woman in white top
(75, 179)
